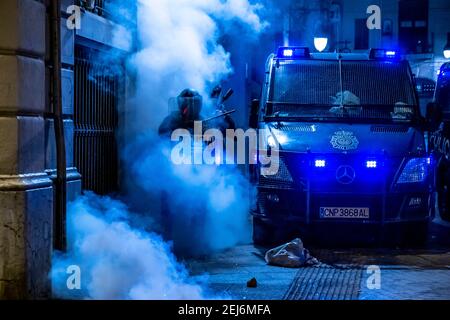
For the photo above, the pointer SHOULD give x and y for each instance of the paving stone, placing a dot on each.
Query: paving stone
(405, 274)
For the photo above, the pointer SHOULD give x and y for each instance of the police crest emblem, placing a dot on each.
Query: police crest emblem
(344, 140)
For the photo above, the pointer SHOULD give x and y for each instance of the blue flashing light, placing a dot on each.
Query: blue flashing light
(320, 163)
(293, 53)
(383, 54)
(391, 54)
(371, 164)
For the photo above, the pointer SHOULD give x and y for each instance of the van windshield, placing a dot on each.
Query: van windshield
(321, 89)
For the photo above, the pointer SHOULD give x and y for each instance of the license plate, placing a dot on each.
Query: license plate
(344, 213)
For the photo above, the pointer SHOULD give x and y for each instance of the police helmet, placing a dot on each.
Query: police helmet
(190, 103)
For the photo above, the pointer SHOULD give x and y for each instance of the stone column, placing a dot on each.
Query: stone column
(26, 193)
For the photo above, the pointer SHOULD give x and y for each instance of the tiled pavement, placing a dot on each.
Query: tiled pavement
(405, 274)
(228, 273)
(410, 284)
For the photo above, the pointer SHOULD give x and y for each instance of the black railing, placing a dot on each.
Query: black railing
(97, 89)
(118, 12)
(96, 6)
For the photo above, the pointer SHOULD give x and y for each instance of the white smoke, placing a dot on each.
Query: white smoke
(178, 48)
(116, 260)
(208, 206)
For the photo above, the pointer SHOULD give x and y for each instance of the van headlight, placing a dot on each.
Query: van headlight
(416, 170)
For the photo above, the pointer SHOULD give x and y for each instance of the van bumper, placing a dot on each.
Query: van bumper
(295, 206)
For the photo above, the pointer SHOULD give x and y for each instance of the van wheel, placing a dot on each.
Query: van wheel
(406, 235)
(416, 234)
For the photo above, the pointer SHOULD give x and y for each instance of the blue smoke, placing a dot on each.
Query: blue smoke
(117, 259)
(115, 243)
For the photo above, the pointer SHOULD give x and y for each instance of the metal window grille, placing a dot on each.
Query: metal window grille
(96, 6)
(116, 11)
(97, 88)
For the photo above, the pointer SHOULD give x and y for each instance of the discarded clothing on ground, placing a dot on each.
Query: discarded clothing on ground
(290, 255)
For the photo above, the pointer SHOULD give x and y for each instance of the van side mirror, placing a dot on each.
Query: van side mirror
(254, 110)
(434, 116)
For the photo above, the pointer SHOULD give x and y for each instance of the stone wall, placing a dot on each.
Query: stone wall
(25, 189)
(27, 152)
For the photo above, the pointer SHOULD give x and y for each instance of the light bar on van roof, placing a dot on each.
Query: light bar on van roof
(293, 53)
(383, 54)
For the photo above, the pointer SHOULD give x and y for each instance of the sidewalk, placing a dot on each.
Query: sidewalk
(405, 274)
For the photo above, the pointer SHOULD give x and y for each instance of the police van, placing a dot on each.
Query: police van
(353, 157)
(439, 117)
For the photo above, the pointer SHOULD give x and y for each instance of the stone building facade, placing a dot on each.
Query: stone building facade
(27, 142)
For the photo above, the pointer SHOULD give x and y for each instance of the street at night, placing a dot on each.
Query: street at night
(406, 274)
(225, 158)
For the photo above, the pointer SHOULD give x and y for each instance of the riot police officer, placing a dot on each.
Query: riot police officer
(189, 103)
(189, 107)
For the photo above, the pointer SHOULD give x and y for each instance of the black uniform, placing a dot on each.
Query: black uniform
(175, 121)
(189, 107)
